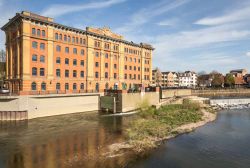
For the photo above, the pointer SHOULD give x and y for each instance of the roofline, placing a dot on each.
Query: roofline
(20, 15)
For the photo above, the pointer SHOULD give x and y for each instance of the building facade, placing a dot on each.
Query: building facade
(46, 57)
(188, 79)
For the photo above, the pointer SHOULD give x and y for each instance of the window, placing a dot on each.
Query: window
(96, 75)
(134, 76)
(115, 75)
(106, 65)
(74, 73)
(58, 86)
(56, 36)
(77, 40)
(43, 33)
(125, 76)
(33, 86)
(125, 67)
(82, 51)
(38, 32)
(34, 44)
(43, 86)
(84, 41)
(130, 67)
(139, 77)
(66, 49)
(42, 72)
(115, 66)
(66, 61)
(75, 62)
(34, 71)
(134, 68)
(130, 59)
(42, 58)
(66, 73)
(66, 86)
(130, 76)
(69, 39)
(58, 60)
(65, 38)
(58, 72)
(80, 40)
(135, 60)
(82, 62)
(82, 86)
(82, 74)
(97, 54)
(33, 31)
(106, 75)
(139, 68)
(74, 50)
(74, 86)
(58, 48)
(34, 57)
(60, 37)
(73, 39)
(126, 58)
(106, 55)
(42, 46)
(96, 64)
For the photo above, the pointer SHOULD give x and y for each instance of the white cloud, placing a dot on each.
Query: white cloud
(236, 15)
(168, 22)
(59, 9)
(248, 54)
(146, 14)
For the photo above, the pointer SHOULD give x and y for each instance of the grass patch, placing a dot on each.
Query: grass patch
(153, 124)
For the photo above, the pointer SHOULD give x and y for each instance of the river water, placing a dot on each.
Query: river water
(79, 141)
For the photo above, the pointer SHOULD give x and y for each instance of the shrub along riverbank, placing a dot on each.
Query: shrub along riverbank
(154, 125)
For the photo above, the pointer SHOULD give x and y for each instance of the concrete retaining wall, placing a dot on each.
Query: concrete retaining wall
(175, 92)
(221, 92)
(42, 106)
(131, 101)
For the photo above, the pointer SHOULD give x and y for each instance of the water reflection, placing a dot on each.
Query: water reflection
(57, 142)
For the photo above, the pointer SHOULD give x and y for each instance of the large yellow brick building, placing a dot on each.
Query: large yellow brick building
(45, 57)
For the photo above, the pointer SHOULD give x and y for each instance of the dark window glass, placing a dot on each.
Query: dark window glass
(66, 49)
(96, 64)
(66, 86)
(56, 36)
(106, 75)
(34, 71)
(82, 74)
(96, 74)
(34, 44)
(74, 74)
(66, 61)
(60, 37)
(34, 57)
(43, 33)
(82, 86)
(74, 62)
(65, 38)
(58, 72)
(58, 60)
(106, 65)
(58, 86)
(58, 48)
(82, 62)
(74, 86)
(38, 32)
(115, 75)
(42, 58)
(33, 86)
(42, 46)
(42, 72)
(33, 31)
(74, 50)
(43, 86)
(115, 66)
(82, 51)
(66, 73)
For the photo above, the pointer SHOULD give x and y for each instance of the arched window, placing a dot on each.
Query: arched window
(74, 86)
(56, 36)
(42, 58)
(60, 37)
(66, 86)
(58, 86)
(33, 31)
(43, 33)
(43, 86)
(38, 32)
(33, 86)
(34, 71)
(82, 86)
(65, 38)
(69, 39)
(97, 87)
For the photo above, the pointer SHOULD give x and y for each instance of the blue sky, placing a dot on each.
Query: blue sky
(187, 34)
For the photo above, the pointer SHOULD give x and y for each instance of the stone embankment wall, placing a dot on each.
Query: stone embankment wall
(222, 102)
(49, 105)
(175, 92)
(221, 92)
(131, 101)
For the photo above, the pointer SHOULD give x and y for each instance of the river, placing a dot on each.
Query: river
(79, 141)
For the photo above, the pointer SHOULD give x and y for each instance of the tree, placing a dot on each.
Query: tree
(218, 80)
(229, 80)
(158, 76)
